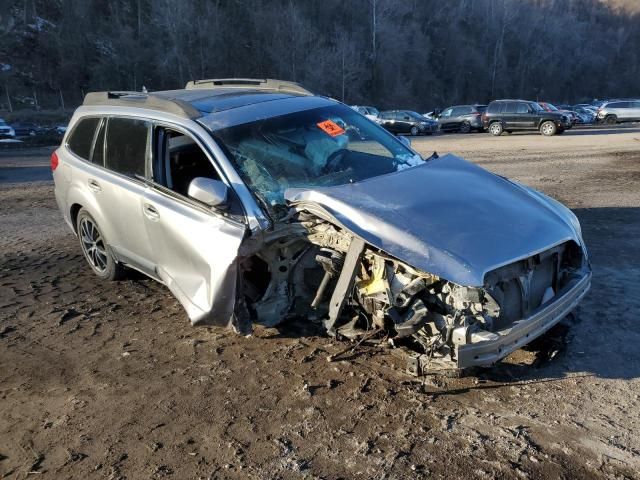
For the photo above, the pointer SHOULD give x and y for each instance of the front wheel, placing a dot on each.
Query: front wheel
(414, 131)
(611, 120)
(496, 129)
(548, 129)
(94, 248)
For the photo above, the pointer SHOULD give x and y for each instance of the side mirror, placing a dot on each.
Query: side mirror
(208, 191)
(405, 140)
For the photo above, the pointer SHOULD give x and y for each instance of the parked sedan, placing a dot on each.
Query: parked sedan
(462, 118)
(25, 129)
(6, 131)
(408, 122)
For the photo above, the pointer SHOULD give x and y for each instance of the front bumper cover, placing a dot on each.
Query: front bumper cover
(524, 331)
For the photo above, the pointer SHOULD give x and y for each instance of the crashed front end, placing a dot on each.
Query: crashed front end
(455, 281)
(317, 271)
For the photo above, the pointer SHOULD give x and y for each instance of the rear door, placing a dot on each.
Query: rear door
(510, 116)
(195, 247)
(121, 148)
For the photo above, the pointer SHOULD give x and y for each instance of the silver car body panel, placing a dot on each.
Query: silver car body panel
(447, 217)
(523, 331)
(189, 248)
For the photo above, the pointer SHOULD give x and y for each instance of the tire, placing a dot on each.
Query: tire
(611, 120)
(496, 129)
(465, 127)
(95, 250)
(414, 131)
(548, 128)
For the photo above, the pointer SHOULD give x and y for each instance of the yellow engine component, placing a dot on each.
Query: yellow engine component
(377, 283)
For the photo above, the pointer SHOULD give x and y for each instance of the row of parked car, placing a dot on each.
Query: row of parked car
(21, 130)
(505, 116)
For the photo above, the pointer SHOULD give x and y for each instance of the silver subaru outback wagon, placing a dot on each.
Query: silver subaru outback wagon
(257, 202)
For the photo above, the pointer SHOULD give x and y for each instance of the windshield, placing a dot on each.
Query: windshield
(319, 147)
(373, 111)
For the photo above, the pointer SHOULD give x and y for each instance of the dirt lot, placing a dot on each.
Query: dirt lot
(110, 381)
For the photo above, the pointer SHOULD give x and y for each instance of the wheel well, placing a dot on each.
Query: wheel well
(75, 208)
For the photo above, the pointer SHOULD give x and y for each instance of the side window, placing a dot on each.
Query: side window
(447, 112)
(512, 107)
(126, 150)
(493, 108)
(179, 159)
(523, 108)
(81, 138)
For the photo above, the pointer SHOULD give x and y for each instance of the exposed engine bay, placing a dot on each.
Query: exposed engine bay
(307, 269)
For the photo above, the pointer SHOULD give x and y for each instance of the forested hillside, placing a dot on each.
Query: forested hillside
(409, 53)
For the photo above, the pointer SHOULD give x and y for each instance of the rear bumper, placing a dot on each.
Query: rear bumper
(524, 331)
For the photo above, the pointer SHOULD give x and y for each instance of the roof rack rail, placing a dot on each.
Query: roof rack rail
(249, 83)
(143, 100)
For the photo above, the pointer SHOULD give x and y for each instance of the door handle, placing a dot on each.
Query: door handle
(150, 211)
(95, 186)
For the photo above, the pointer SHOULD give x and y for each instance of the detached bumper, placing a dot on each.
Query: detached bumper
(524, 331)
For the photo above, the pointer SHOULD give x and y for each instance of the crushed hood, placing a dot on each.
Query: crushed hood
(447, 216)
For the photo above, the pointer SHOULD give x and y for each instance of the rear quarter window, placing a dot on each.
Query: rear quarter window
(495, 108)
(126, 146)
(81, 137)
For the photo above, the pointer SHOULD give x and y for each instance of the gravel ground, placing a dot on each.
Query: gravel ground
(108, 380)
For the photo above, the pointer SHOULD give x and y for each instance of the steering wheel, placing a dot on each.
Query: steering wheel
(335, 159)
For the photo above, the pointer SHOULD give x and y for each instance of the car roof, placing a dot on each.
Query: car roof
(513, 100)
(202, 97)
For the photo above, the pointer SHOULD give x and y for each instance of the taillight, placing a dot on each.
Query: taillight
(54, 161)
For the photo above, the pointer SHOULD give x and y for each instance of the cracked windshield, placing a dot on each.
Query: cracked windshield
(320, 147)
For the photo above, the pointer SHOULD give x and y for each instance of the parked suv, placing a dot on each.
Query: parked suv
(462, 118)
(619, 111)
(510, 115)
(251, 202)
(406, 121)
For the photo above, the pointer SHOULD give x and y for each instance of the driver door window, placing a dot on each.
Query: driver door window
(179, 160)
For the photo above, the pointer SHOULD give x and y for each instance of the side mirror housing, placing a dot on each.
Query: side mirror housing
(405, 140)
(208, 191)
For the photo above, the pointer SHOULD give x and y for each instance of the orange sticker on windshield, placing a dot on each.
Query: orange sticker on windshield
(331, 127)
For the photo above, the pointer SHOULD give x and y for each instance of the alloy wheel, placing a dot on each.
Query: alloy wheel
(93, 245)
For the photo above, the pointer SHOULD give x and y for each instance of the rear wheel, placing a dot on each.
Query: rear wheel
(414, 131)
(465, 127)
(496, 129)
(611, 120)
(548, 129)
(94, 248)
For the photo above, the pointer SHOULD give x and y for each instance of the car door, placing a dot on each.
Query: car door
(195, 247)
(121, 149)
(511, 117)
(444, 120)
(526, 117)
